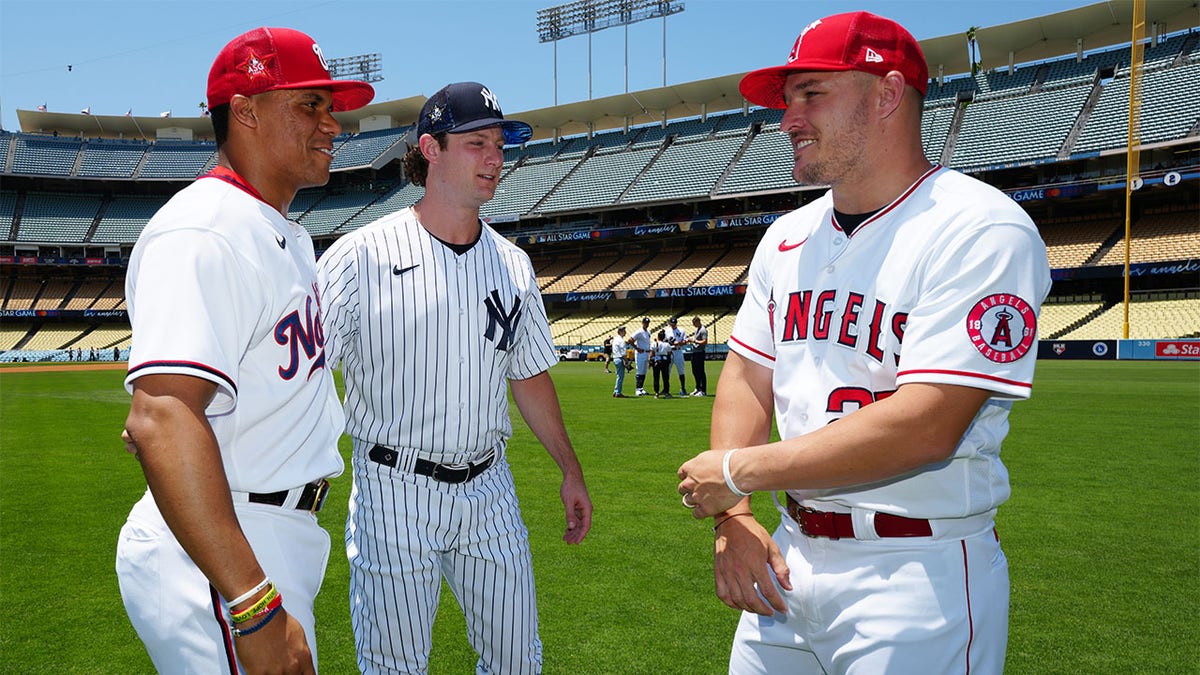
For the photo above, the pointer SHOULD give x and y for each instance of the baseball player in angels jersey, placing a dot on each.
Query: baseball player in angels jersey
(433, 495)
(888, 326)
(235, 418)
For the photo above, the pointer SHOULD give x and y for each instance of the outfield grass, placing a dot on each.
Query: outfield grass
(1102, 531)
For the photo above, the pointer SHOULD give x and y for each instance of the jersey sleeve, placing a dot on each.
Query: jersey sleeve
(976, 323)
(753, 335)
(192, 309)
(337, 284)
(534, 347)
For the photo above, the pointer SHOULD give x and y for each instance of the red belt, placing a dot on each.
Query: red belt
(839, 525)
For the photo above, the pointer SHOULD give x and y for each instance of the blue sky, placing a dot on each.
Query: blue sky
(154, 56)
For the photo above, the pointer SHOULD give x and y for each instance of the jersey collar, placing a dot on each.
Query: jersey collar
(233, 178)
(887, 209)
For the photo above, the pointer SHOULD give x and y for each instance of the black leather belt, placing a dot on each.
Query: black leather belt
(312, 497)
(445, 473)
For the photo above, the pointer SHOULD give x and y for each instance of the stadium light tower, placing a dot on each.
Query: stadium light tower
(590, 16)
(363, 67)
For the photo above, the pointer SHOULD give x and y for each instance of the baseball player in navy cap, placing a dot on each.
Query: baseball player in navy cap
(886, 559)
(234, 417)
(433, 494)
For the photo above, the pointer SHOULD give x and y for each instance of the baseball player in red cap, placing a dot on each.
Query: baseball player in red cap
(886, 559)
(234, 416)
(433, 494)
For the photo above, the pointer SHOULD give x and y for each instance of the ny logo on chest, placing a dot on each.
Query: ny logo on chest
(503, 319)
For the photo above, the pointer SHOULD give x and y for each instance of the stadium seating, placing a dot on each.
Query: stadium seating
(45, 155)
(55, 336)
(1072, 241)
(124, 218)
(88, 292)
(1148, 319)
(765, 165)
(8, 209)
(691, 267)
(334, 209)
(178, 159)
(111, 159)
(1017, 128)
(730, 269)
(57, 217)
(362, 149)
(398, 198)
(525, 186)
(1170, 99)
(1058, 316)
(684, 171)
(1158, 238)
(597, 182)
(12, 334)
(649, 272)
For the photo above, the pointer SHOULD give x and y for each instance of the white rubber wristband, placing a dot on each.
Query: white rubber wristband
(728, 478)
(250, 593)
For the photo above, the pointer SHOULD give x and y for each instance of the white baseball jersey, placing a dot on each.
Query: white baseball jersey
(955, 272)
(641, 340)
(221, 287)
(428, 339)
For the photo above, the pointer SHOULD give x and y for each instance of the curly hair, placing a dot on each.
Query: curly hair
(416, 167)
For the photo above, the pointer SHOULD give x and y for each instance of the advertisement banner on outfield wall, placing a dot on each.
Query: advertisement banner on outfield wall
(1077, 349)
(1169, 350)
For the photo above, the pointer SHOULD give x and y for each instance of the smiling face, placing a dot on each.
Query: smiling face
(827, 119)
(468, 169)
(298, 130)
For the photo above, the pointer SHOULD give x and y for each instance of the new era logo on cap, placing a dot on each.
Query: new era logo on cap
(466, 106)
(853, 41)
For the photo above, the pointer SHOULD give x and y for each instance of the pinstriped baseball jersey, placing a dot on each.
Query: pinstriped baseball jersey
(960, 273)
(221, 287)
(428, 338)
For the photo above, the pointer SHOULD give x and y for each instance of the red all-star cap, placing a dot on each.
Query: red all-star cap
(266, 59)
(853, 41)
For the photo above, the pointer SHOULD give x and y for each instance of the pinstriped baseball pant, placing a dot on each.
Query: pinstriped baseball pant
(404, 534)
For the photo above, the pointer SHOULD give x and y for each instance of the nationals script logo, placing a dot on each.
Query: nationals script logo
(1002, 327)
(302, 335)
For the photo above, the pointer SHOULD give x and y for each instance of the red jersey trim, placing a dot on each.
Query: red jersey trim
(963, 373)
(899, 200)
(760, 353)
(233, 178)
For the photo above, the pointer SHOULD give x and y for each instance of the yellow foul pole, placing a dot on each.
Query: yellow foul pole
(1131, 151)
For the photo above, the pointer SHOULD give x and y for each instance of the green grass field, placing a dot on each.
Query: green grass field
(1102, 531)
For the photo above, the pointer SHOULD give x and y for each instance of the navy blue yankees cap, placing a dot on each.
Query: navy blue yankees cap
(467, 106)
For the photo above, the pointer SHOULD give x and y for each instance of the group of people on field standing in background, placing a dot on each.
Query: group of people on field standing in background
(657, 354)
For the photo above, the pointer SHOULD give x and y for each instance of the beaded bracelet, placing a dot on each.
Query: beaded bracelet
(243, 632)
(250, 593)
(247, 614)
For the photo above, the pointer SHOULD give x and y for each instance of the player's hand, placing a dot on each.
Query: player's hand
(747, 563)
(702, 482)
(280, 647)
(578, 507)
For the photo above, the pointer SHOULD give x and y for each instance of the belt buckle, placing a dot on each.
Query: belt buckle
(319, 499)
(825, 518)
(451, 473)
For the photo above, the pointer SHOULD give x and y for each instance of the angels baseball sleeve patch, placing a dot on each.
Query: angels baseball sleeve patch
(1002, 327)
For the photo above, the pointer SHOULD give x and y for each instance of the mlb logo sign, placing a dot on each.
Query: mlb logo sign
(1059, 348)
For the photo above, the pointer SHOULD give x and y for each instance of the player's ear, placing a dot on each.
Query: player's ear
(890, 93)
(241, 111)
(429, 146)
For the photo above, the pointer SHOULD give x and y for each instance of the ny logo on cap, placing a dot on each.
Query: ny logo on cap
(796, 47)
(490, 99)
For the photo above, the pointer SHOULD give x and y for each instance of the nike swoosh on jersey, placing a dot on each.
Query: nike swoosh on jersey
(397, 270)
(281, 241)
(784, 246)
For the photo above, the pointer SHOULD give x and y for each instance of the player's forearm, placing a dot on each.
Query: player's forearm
(182, 465)
(918, 425)
(744, 405)
(537, 401)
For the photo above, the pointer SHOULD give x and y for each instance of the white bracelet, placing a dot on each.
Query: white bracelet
(250, 593)
(728, 478)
